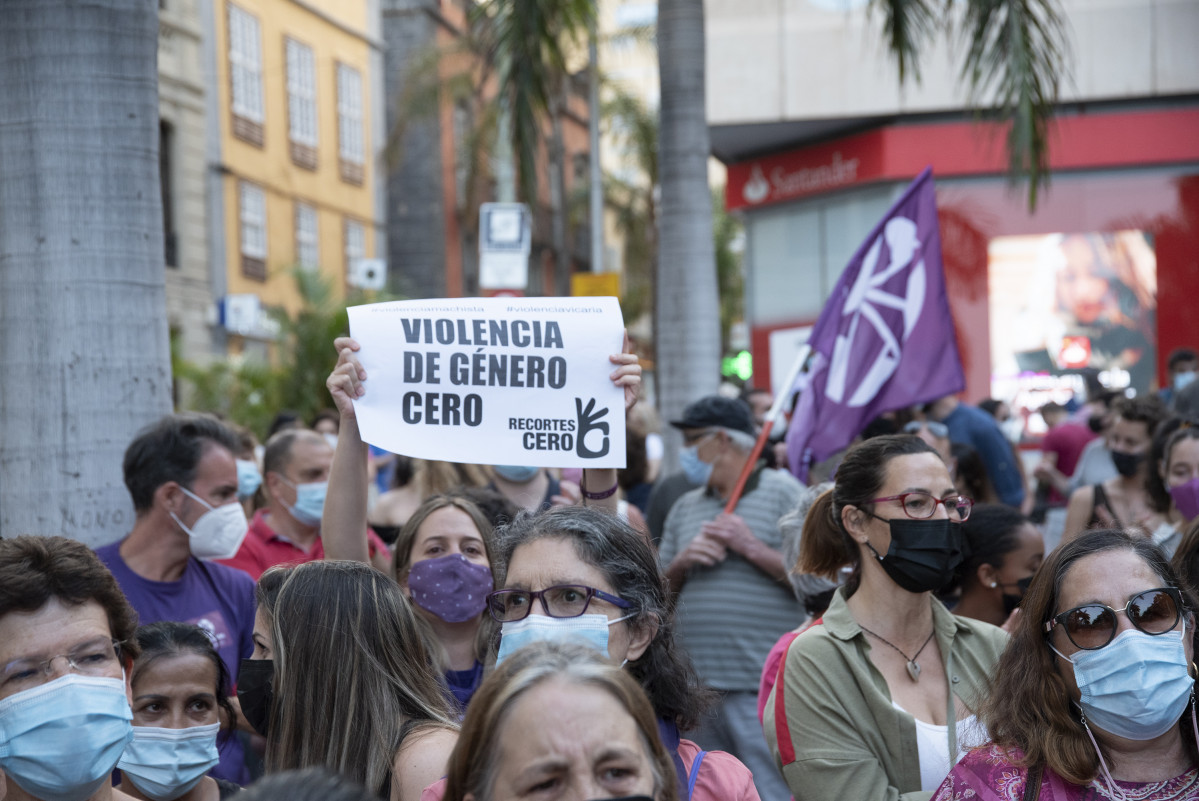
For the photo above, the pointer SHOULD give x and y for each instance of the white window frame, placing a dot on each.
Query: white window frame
(308, 237)
(245, 64)
(351, 147)
(355, 243)
(301, 93)
(252, 214)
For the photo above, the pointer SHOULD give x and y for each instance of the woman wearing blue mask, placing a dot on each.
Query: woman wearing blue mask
(66, 640)
(583, 575)
(1095, 697)
(877, 699)
(180, 693)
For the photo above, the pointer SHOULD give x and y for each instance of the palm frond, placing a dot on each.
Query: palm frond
(909, 25)
(1014, 63)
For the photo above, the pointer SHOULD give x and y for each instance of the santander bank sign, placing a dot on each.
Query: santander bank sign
(788, 176)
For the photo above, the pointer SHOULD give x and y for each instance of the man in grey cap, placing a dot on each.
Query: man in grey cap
(727, 574)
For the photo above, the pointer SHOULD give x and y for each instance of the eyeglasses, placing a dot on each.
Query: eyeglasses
(922, 505)
(1092, 626)
(938, 430)
(96, 658)
(564, 600)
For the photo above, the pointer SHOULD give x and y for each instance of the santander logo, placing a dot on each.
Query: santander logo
(783, 185)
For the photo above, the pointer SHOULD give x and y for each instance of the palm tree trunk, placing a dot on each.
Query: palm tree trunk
(688, 311)
(83, 335)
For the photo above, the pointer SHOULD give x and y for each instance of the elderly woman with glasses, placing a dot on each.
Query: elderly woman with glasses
(584, 575)
(876, 699)
(1095, 698)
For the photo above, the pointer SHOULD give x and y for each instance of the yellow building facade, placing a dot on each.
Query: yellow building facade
(296, 154)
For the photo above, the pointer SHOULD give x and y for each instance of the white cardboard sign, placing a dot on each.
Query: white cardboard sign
(516, 381)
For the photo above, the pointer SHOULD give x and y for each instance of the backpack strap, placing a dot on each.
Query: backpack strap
(1032, 782)
(699, 758)
(782, 730)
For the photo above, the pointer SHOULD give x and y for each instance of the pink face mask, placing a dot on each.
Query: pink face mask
(1186, 498)
(451, 587)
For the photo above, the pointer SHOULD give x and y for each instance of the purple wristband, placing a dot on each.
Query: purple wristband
(599, 496)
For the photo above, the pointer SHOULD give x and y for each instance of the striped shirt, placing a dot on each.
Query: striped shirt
(730, 615)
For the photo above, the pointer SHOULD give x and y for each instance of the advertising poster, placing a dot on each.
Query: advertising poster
(1060, 303)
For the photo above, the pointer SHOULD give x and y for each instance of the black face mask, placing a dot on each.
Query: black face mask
(1127, 464)
(1010, 600)
(1095, 423)
(255, 692)
(924, 554)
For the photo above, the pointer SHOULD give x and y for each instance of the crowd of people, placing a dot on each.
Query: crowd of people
(277, 625)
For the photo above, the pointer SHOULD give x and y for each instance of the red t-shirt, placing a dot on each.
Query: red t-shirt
(1066, 440)
(263, 549)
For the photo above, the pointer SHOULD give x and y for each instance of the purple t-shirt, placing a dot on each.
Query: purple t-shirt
(216, 598)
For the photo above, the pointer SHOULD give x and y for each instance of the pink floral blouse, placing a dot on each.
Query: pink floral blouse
(988, 773)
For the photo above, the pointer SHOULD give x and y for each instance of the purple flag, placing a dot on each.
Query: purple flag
(885, 338)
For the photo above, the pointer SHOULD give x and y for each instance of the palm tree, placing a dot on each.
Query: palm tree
(1014, 55)
(86, 358)
(688, 342)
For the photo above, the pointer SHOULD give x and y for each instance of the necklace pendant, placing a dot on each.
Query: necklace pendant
(913, 670)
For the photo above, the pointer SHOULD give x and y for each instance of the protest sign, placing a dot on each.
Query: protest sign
(514, 381)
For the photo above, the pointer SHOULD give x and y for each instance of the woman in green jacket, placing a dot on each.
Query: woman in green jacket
(877, 700)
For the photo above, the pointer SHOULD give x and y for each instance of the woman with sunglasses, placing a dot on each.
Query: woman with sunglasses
(876, 700)
(1095, 698)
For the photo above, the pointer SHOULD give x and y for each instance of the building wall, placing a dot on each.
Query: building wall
(771, 61)
(432, 215)
(337, 33)
(416, 212)
(181, 97)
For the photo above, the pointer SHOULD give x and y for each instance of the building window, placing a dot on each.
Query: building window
(301, 103)
(252, 212)
(245, 71)
(308, 254)
(351, 150)
(166, 161)
(355, 244)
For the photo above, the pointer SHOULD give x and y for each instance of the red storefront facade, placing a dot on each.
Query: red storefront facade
(1112, 170)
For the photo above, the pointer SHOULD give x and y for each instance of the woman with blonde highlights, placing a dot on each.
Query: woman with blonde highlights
(1094, 699)
(352, 688)
(556, 721)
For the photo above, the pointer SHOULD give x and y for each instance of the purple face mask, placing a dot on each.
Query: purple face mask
(1186, 498)
(451, 587)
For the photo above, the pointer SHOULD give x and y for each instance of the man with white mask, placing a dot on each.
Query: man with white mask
(287, 531)
(182, 476)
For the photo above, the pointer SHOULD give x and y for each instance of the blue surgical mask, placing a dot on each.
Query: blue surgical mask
(1136, 686)
(248, 478)
(62, 739)
(697, 470)
(310, 502)
(517, 474)
(166, 763)
(590, 630)
(1183, 379)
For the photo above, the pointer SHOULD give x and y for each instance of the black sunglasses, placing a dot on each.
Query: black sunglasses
(1092, 626)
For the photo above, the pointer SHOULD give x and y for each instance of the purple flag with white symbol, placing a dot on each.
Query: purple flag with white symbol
(885, 338)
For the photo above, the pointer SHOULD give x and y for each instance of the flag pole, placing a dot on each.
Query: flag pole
(775, 409)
